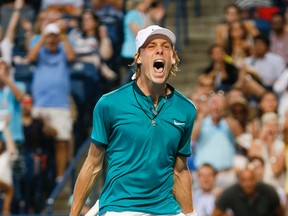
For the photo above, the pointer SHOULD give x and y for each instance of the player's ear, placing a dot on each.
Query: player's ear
(138, 58)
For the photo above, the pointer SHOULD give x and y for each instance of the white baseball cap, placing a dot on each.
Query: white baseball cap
(51, 28)
(143, 34)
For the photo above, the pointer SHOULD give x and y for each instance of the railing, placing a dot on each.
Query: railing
(68, 173)
(181, 21)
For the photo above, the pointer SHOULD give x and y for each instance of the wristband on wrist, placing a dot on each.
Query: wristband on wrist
(194, 213)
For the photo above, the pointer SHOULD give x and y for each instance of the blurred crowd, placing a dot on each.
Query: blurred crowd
(240, 134)
(59, 57)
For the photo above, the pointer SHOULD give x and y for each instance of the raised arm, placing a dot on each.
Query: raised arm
(182, 189)
(10, 33)
(86, 178)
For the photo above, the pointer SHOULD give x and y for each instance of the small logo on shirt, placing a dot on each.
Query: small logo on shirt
(178, 123)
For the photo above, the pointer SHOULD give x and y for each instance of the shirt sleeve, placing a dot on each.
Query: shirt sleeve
(101, 123)
(6, 50)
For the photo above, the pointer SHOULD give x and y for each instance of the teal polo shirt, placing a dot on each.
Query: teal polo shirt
(141, 156)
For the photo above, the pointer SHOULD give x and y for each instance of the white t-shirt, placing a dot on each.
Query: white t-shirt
(6, 48)
(6, 168)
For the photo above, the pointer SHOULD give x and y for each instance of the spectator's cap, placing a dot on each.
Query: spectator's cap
(51, 28)
(144, 34)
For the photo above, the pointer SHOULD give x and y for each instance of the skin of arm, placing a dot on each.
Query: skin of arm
(105, 48)
(10, 144)
(68, 48)
(87, 177)
(182, 189)
(33, 52)
(10, 33)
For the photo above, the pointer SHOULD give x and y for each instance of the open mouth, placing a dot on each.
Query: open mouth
(159, 65)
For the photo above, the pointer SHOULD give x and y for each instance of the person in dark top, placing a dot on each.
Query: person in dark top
(249, 197)
(223, 73)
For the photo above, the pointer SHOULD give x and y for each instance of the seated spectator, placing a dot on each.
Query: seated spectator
(259, 167)
(8, 153)
(214, 136)
(52, 56)
(248, 197)
(239, 44)
(205, 195)
(271, 148)
(232, 13)
(268, 102)
(279, 37)
(92, 44)
(269, 65)
(222, 72)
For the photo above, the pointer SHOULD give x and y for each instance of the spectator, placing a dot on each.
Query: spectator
(92, 44)
(214, 135)
(268, 102)
(259, 167)
(222, 72)
(279, 37)
(136, 19)
(248, 197)
(239, 43)
(38, 149)
(232, 13)
(269, 65)
(51, 87)
(205, 195)
(6, 45)
(271, 148)
(8, 153)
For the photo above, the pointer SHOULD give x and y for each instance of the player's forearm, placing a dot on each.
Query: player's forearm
(182, 190)
(84, 184)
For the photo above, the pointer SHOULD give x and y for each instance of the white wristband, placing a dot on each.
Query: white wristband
(194, 213)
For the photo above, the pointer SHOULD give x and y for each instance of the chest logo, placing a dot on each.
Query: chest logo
(178, 123)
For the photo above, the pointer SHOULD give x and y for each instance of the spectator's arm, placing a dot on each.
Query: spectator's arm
(10, 144)
(70, 55)
(4, 78)
(34, 51)
(10, 33)
(105, 48)
(182, 189)
(197, 126)
(234, 126)
(281, 83)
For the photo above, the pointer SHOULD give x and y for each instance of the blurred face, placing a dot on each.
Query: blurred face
(88, 22)
(234, 94)
(217, 106)
(277, 24)
(231, 14)
(51, 42)
(239, 112)
(206, 177)
(27, 104)
(271, 127)
(268, 103)
(260, 48)
(247, 181)
(258, 169)
(237, 31)
(217, 54)
(206, 85)
(156, 59)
